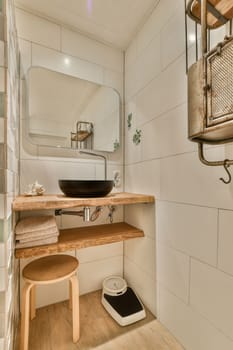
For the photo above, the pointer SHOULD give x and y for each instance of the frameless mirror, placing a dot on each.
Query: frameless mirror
(65, 111)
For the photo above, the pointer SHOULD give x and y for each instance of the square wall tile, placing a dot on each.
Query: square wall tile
(2, 301)
(47, 172)
(2, 209)
(1, 230)
(9, 226)
(2, 181)
(142, 216)
(149, 63)
(166, 135)
(143, 284)
(51, 59)
(2, 279)
(38, 30)
(188, 326)
(2, 156)
(165, 92)
(211, 295)
(2, 104)
(163, 12)
(91, 50)
(91, 254)
(185, 179)
(173, 271)
(178, 226)
(2, 254)
(173, 41)
(141, 251)
(225, 256)
(2, 325)
(2, 79)
(2, 54)
(143, 177)
(2, 130)
(2, 25)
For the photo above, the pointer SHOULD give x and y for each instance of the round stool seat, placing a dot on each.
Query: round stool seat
(50, 268)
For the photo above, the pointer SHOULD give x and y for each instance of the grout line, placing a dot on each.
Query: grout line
(167, 245)
(163, 114)
(193, 204)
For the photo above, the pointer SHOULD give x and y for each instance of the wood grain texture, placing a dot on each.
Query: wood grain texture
(225, 7)
(61, 202)
(83, 237)
(50, 269)
(52, 327)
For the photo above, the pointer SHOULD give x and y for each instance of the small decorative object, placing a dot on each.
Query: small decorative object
(116, 145)
(137, 137)
(35, 189)
(129, 120)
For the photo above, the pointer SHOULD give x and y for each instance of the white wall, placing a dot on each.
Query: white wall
(46, 44)
(194, 210)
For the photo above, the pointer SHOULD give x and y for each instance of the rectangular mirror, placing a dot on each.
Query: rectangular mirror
(65, 111)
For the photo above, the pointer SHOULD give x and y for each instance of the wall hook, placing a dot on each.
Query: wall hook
(226, 166)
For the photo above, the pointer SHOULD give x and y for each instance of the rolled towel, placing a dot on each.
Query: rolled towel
(35, 224)
(37, 242)
(36, 238)
(39, 233)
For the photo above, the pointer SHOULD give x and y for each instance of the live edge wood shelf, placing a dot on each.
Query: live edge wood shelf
(62, 202)
(81, 237)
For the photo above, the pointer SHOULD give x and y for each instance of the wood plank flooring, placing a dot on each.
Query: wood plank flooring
(52, 330)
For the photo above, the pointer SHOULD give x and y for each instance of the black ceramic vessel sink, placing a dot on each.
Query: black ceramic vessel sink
(86, 188)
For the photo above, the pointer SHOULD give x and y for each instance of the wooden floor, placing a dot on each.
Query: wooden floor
(52, 330)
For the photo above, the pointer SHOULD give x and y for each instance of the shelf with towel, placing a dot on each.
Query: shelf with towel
(79, 237)
(83, 237)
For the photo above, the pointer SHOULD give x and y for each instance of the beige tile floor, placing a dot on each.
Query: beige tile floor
(52, 330)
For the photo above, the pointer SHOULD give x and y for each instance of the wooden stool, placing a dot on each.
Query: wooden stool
(48, 270)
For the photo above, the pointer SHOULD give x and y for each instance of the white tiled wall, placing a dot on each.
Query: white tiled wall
(9, 139)
(192, 256)
(45, 44)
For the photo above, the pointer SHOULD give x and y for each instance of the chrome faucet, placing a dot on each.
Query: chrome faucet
(98, 155)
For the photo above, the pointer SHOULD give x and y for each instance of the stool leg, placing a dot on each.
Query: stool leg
(24, 334)
(33, 302)
(70, 293)
(75, 307)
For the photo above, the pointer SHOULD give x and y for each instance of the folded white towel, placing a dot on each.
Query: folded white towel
(37, 242)
(35, 224)
(39, 233)
(37, 238)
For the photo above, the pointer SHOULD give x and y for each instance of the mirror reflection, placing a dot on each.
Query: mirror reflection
(65, 111)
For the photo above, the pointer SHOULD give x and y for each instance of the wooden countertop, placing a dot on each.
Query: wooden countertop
(83, 237)
(60, 201)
